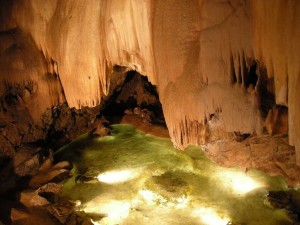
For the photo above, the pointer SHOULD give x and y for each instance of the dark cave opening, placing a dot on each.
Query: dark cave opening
(136, 96)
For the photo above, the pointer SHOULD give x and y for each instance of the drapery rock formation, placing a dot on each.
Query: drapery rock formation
(235, 57)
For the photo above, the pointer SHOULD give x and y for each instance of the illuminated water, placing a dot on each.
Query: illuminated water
(134, 178)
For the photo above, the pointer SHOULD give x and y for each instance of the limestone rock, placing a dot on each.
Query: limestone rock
(101, 128)
(50, 191)
(33, 134)
(65, 124)
(137, 111)
(27, 161)
(12, 134)
(283, 200)
(200, 55)
(128, 112)
(270, 154)
(169, 185)
(277, 121)
(27, 83)
(6, 148)
(215, 129)
(18, 215)
(48, 173)
(30, 198)
(63, 165)
(61, 211)
(79, 218)
(279, 200)
(101, 131)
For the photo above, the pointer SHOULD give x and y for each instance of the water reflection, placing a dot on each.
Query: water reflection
(114, 177)
(142, 179)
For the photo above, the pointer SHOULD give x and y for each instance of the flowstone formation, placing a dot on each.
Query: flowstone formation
(224, 71)
(204, 56)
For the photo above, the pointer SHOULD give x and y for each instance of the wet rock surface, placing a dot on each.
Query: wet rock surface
(38, 200)
(271, 154)
(279, 200)
(50, 191)
(169, 185)
(29, 176)
(28, 162)
(266, 152)
(50, 172)
(21, 138)
(58, 125)
(284, 200)
(65, 124)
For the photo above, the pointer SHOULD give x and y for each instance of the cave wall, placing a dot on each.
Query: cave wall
(198, 52)
(276, 42)
(27, 78)
(87, 40)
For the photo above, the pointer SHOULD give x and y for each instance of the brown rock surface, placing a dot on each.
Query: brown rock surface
(33, 216)
(277, 121)
(271, 154)
(64, 213)
(18, 214)
(28, 161)
(30, 198)
(136, 121)
(6, 149)
(49, 173)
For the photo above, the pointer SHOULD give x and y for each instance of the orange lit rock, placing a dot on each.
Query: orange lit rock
(200, 54)
(277, 121)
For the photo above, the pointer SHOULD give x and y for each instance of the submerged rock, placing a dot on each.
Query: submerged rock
(279, 200)
(283, 200)
(65, 214)
(50, 191)
(89, 176)
(170, 185)
(85, 179)
(61, 211)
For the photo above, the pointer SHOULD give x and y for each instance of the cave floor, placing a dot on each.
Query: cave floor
(132, 177)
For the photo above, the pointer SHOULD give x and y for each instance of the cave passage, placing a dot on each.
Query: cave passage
(133, 94)
(131, 177)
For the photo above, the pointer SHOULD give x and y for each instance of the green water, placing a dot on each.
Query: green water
(157, 184)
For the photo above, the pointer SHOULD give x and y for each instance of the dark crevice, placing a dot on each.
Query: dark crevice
(240, 78)
(266, 91)
(251, 77)
(233, 75)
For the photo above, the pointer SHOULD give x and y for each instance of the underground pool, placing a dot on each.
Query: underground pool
(131, 177)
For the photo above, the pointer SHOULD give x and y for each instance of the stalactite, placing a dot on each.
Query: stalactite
(197, 53)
